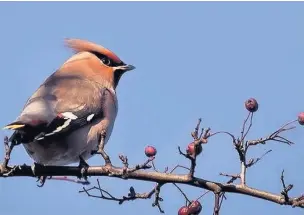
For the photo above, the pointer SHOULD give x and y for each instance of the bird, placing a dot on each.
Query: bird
(62, 122)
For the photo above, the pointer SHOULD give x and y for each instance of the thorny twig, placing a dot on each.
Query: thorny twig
(216, 209)
(201, 196)
(145, 165)
(199, 139)
(252, 161)
(195, 133)
(101, 141)
(224, 132)
(8, 150)
(124, 160)
(183, 193)
(127, 170)
(162, 178)
(222, 197)
(233, 177)
(157, 198)
(154, 167)
(192, 159)
(132, 195)
(286, 189)
(179, 166)
(274, 136)
(243, 135)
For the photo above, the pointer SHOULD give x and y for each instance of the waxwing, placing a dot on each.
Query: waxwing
(61, 122)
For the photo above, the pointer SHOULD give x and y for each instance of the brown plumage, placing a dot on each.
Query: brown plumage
(63, 118)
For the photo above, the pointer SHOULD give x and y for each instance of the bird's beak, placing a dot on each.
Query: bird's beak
(125, 68)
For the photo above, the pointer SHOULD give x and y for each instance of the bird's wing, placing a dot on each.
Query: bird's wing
(61, 105)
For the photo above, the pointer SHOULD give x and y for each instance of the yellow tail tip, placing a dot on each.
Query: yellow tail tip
(13, 127)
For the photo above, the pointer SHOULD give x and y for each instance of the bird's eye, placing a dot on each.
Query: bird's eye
(106, 61)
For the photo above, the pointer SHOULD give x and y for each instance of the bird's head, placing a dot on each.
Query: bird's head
(109, 66)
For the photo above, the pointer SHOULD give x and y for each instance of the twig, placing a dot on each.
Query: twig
(243, 173)
(154, 167)
(222, 197)
(179, 166)
(239, 146)
(252, 161)
(145, 165)
(157, 198)
(8, 150)
(233, 177)
(183, 193)
(243, 136)
(101, 141)
(124, 160)
(195, 133)
(286, 189)
(199, 139)
(127, 170)
(216, 209)
(274, 136)
(132, 195)
(224, 132)
(192, 159)
(201, 196)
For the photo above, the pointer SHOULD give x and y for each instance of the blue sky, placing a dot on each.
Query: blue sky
(193, 60)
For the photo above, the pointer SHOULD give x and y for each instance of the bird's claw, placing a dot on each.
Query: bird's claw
(41, 180)
(83, 165)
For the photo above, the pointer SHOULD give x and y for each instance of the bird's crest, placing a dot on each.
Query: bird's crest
(79, 45)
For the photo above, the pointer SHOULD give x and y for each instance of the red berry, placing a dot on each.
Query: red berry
(150, 151)
(301, 118)
(251, 105)
(195, 207)
(183, 211)
(190, 149)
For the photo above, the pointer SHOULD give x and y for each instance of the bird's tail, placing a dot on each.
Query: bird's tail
(17, 127)
(14, 126)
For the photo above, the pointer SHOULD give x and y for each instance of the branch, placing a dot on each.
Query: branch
(139, 172)
(157, 177)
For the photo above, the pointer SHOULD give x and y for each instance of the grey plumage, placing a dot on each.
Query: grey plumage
(64, 117)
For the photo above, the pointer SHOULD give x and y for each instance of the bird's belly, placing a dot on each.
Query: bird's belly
(64, 150)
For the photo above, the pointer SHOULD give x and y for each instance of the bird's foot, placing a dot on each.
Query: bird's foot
(83, 165)
(101, 144)
(41, 180)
